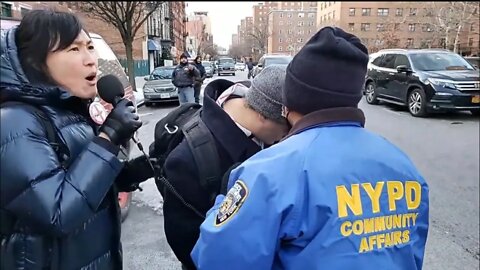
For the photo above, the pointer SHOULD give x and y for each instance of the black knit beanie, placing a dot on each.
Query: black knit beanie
(329, 71)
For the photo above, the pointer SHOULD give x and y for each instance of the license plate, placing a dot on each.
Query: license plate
(476, 99)
(165, 95)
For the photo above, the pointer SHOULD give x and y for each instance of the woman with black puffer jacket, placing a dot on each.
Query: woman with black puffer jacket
(58, 200)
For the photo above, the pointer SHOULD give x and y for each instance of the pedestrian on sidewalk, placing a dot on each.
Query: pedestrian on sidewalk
(199, 80)
(250, 68)
(183, 78)
(331, 195)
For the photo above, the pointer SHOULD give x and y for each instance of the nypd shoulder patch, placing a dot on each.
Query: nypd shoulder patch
(232, 202)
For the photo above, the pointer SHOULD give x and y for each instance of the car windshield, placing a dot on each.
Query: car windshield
(439, 62)
(162, 73)
(278, 60)
(226, 61)
(206, 64)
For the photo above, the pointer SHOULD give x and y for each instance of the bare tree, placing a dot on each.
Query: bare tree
(126, 17)
(260, 35)
(452, 17)
(239, 51)
(211, 50)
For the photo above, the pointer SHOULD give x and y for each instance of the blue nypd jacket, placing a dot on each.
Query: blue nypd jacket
(332, 195)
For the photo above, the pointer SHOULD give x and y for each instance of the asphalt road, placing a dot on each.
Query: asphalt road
(444, 147)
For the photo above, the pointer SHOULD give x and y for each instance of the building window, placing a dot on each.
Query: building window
(411, 27)
(413, 11)
(380, 27)
(333, 17)
(410, 42)
(290, 31)
(351, 26)
(6, 10)
(428, 12)
(310, 31)
(280, 48)
(300, 32)
(470, 42)
(311, 15)
(300, 40)
(366, 11)
(365, 27)
(321, 6)
(289, 23)
(281, 14)
(301, 15)
(472, 27)
(329, 16)
(351, 12)
(427, 27)
(399, 12)
(280, 31)
(382, 12)
(311, 23)
(24, 11)
(397, 27)
(300, 23)
(289, 15)
(280, 40)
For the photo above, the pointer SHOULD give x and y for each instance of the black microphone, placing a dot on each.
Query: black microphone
(111, 90)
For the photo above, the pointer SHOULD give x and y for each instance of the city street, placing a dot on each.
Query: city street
(444, 147)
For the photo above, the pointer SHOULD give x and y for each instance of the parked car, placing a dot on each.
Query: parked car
(423, 80)
(226, 65)
(273, 59)
(159, 87)
(109, 64)
(208, 68)
(474, 60)
(240, 66)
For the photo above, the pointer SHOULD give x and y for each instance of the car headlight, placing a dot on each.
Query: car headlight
(147, 90)
(442, 82)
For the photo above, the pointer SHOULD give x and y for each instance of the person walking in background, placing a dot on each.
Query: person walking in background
(199, 80)
(249, 67)
(183, 78)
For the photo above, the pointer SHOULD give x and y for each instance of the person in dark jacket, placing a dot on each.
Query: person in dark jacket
(199, 80)
(241, 120)
(183, 78)
(58, 213)
(249, 67)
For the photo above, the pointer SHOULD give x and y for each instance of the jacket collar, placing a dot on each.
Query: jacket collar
(328, 116)
(223, 128)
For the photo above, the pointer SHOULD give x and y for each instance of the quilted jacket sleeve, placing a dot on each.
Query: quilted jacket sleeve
(37, 190)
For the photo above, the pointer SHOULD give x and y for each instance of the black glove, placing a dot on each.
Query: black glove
(134, 172)
(121, 123)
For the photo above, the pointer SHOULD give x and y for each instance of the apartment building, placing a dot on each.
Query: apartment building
(391, 24)
(178, 28)
(290, 30)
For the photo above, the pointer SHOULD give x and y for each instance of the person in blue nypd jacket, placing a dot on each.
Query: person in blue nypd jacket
(331, 195)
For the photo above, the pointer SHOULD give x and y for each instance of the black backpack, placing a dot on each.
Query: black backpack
(185, 122)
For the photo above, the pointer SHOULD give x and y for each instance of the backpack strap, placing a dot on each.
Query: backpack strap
(202, 144)
(53, 137)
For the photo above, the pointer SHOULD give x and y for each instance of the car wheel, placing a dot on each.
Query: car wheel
(370, 94)
(417, 103)
(148, 104)
(124, 201)
(475, 112)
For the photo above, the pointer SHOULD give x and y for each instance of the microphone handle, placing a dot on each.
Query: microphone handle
(116, 100)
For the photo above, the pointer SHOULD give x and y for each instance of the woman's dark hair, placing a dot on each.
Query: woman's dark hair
(41, 32)
(196, 58)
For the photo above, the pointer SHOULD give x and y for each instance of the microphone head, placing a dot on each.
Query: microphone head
(109, 87)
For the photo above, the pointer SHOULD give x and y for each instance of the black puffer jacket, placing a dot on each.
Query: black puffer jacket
(63, 218)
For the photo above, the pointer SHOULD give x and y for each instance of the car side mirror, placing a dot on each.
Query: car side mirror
(146, 78)
(403, 68)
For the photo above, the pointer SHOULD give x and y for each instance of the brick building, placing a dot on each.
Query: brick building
(393, 24)
(178, 28)
(290, 30)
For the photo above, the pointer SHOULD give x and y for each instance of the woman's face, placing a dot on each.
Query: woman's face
(75, 68)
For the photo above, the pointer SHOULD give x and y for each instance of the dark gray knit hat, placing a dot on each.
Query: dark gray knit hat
(265, 93)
